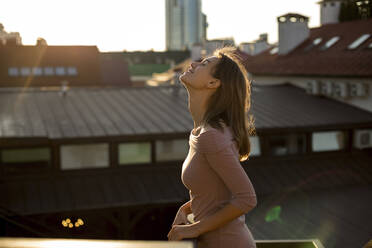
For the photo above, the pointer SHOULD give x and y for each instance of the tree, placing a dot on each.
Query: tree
(355, 10)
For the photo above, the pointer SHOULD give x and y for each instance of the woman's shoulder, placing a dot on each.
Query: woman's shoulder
(210, 139)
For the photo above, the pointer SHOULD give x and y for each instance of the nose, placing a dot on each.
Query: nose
(193, 64)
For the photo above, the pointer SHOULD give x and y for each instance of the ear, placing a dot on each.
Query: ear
(215, 83)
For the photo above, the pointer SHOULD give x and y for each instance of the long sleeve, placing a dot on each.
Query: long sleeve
(218, 150)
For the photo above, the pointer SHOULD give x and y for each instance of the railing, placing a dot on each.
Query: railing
(301, 243)
(90, 243)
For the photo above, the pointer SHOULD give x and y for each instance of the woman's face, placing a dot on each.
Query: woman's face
(198, 75)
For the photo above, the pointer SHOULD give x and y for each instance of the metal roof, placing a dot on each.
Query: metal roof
(108, 112)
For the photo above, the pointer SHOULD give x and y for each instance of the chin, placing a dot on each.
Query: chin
(182, 78)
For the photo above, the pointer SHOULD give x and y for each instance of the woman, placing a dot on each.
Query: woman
(220, 190)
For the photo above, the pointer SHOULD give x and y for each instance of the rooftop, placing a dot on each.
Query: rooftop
(314, 58)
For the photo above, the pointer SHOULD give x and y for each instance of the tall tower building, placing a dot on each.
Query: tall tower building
(185, 24)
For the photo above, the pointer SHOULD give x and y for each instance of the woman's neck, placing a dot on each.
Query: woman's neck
(197, 106)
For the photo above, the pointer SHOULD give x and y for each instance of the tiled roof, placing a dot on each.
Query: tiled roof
(104, 112)
(309, 60)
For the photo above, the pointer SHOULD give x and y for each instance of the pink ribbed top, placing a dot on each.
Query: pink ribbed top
(214, 176)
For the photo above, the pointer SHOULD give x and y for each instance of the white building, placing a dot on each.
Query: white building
(185, 24)
(333, 60)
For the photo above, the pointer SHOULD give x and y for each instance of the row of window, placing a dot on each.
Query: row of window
(43, 71)
(97, 155)
(331, 42)
(296, 143)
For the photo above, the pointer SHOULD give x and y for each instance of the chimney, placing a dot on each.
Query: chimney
(41, 42)
(329, 11)
(64, 88)
(293, 30)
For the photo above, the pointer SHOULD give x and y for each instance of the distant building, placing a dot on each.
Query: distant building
(114, 70)
(143, 64)
(255, 47)
(185, 24)
(12, 38)
(51, 66)
(212, 45)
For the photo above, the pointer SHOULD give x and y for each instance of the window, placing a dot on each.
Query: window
(317, 41)
(255, 146)
(362, 138)
(359, 41)
(133, 153)
(60, 71)
(287, 144)
(25, 71)
(328, 141)
(370, 45)
(13, 71)
(37, 71)
(330, 43)
(72, 71)
(48, 71)
(84, 156)
(293, 19)
(25, 155)
(167, 150)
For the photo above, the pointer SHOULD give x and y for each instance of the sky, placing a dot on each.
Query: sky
(117, 25)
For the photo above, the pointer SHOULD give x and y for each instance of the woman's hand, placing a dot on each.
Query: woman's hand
(181, 216)
(179, 232)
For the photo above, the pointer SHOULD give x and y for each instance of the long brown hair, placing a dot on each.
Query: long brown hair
(231, 101)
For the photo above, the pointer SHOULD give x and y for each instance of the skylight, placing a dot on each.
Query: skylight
(330, 43)
(274, 50)
(359, 41)
(317, 41)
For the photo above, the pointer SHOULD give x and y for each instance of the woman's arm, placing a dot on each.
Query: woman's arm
(187, 207)
(218, 219)
(222, 158)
